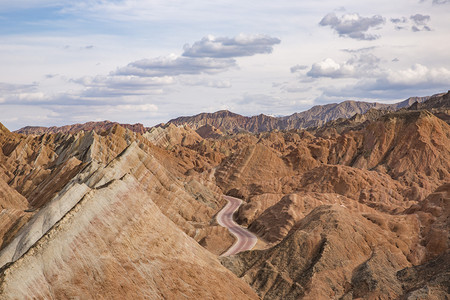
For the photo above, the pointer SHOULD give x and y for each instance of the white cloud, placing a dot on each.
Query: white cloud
(116, 85)
(297, 68)
(135, 108)
(220, 84)
(359, 65)
(416, 75)
(390, 84)
(353, 25)
(420, 22)
(329, 68)
(224, 47)
(174, 65)
(221, 67)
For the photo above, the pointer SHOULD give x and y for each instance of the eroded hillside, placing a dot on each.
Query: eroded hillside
(356, 208)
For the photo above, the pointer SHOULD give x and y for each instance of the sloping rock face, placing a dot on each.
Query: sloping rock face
(209, 131)
(435, 102)
(170, 135)
(114, 242)
(358, 208)
(320, 114)
(229, 122)
(108, 214)
(337, 253)
(377, 192)
(411, 148)
(318, 258)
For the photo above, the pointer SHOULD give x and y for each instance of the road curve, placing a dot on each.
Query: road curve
(245, 240)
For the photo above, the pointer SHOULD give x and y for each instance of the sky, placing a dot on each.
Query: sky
(148, 61)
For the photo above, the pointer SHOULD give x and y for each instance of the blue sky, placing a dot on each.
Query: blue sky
(65, 62)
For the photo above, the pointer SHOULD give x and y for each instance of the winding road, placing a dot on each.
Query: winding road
(245, 240)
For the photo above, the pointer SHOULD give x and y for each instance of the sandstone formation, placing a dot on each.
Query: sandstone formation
(123, 245)
(356, 206)
(209, 131)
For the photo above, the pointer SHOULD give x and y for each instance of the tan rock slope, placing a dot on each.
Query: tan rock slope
(355, 208)
(361, 214)
(111, 239)
(109, 214)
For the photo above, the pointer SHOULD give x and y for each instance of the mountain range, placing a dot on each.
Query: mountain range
(316, 116)
(347, 201)
(231, 122)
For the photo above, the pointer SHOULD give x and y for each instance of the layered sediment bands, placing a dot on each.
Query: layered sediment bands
(407, 148)
(170, 135)
(358, 208)
(250, 167)
(10, 198)
(412, 147)
(428, 281)
(209, 131)
(370, 187)
(387, 178)
(433, 214)
(319, 257)
(106, 232)
(116, 243)
(40, 167)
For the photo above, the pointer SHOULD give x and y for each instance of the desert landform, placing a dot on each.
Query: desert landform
(343, 201)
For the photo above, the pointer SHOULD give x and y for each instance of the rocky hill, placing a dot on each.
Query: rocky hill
(355, 208)
(367, 192)
(95, 126)
(112, 207)
(316, 116)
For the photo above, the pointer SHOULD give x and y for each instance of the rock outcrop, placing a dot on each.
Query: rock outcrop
(357, 207)
(122, 225)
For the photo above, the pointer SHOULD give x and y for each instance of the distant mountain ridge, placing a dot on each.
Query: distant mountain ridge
(229, 122)
(314, 117)
(95, 126)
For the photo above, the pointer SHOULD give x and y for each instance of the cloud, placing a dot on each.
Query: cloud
(420, 22)
(424, 28)
(224, 47)
(394, 84)
(357, 66)
(124, 82)
(329, 68)
(419, 19)
(353, 25)
(173, 65)
(7, 88)
(399, 23)
(437, 2)
(135, 108)
(360, 50)
(20, 93)
(399, 20)
(416, 75)
(220, 84)
(297, 68)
